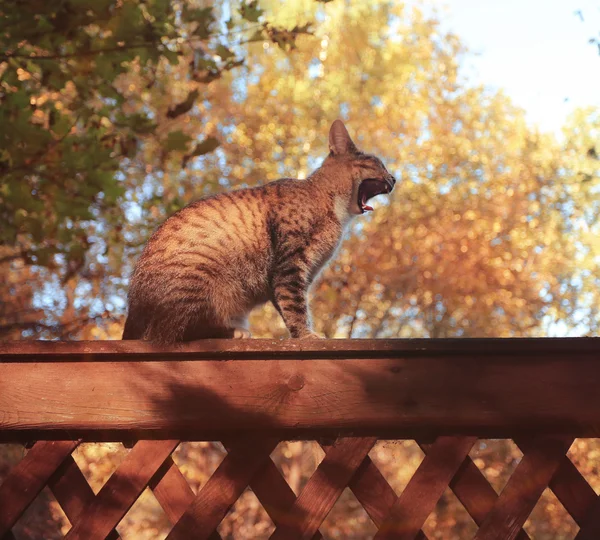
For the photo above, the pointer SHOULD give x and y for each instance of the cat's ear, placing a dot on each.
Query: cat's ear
(339, 139)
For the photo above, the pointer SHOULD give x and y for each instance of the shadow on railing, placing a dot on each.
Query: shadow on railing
(345, 394)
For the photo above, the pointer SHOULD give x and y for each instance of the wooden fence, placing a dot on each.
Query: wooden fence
(346, 394)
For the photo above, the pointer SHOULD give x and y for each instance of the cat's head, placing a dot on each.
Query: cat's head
(361, 176)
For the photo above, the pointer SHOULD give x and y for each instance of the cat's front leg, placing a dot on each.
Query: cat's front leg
(289, 296)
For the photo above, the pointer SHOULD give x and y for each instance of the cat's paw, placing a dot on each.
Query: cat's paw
(310, 335)
(241, 333)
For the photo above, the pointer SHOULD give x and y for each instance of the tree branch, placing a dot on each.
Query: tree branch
(78, 54)
(13, 257)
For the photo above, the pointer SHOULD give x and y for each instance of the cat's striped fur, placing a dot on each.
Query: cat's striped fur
(212, 262)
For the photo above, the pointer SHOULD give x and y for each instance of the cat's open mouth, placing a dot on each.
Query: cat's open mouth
(369, 188)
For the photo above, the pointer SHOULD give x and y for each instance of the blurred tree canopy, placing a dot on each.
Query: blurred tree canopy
(81, 93)
(116, 113)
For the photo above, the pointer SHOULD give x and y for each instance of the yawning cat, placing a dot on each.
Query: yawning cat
(211, 263)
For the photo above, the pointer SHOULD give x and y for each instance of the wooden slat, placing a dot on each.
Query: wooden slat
(171, 490)
(121, 490)
(425, 488)
(569, 486)
(274, 493)
(324, 488)
(28, 477)
(372, 490)
(573, 491)
(377, 397)
(590, 527)
(374, 493)
(473, 491)
(72, 491)
(471, 488)
(223, 488)
(343, 348)
(524, 488)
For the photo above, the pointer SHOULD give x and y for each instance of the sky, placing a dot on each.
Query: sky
(536, 50)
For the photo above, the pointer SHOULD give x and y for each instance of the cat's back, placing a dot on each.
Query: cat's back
(216, 231)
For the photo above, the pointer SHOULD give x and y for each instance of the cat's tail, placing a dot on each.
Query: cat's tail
(134, 327)
(157, 325)
(172, 324)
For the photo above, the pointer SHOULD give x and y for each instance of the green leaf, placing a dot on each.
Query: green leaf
(224, 52)
(250, 11)
(184, 106)
(19, 99)
(140, 123)
(130, 21)
(43, 24)
(257, 36)
(105, 66)
(171, 56)
(43, 256)
(206, 63)
(112, 189)
(207, 145)
(5, 158)
(204, 17)
(62, 125)
(177, 141)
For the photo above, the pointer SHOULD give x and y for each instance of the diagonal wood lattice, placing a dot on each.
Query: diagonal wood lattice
(311, 401)
(346, 463)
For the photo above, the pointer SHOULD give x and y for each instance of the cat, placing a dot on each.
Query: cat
(211, 263)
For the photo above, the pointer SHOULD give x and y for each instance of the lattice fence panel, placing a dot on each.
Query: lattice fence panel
(347, 465)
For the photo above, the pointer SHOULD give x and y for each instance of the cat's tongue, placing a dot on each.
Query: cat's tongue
(363, 204)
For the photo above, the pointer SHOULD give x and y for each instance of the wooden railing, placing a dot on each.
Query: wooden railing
(346, 394)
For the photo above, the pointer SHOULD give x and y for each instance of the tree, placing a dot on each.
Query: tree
(492, 228)
(76, 80)
(480, 191)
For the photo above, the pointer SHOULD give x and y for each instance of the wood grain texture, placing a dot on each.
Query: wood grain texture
(211, 389)
(72, 491)
(372, 490)
(523, 490)
(350, 348)
(171, 490)
(569, 486)
(387, 392)
(324, 488)
(223, 488)
(28, 477)
(274, 493)
(590, 528)
(473, 490)
(425, 488)
(573, 491)
(121, 490)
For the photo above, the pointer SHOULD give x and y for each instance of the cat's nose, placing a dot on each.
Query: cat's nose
(391, 181)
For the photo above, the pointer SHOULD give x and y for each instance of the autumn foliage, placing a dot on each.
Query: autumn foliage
(116, 113)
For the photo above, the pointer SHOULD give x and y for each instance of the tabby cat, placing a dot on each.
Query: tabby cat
(211, 263)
